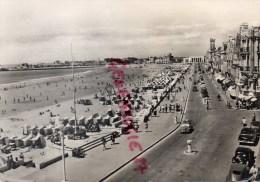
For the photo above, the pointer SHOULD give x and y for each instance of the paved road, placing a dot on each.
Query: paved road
(214, 139)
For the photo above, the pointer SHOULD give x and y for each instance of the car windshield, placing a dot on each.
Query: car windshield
(237, 172)
(247, 132)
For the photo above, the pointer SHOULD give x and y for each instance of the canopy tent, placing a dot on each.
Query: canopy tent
(26, 141)
(231, 88)
(245, 97)
(68, 126)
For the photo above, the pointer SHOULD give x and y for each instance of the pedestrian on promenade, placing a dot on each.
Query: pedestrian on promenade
(146, 126)
(244, 122)
(166, 108)
(162, 108)
(207, 104)
(254, 118)
(103, 140)
(170, 108)
(112, 139)
(181, 109)
(237, 104)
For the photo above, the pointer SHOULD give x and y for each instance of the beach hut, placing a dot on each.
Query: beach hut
(40, 129)
(81, 120)
(26, 129)
(18, 141)
(106, 120)
(26, 141)
(62, 121)
(114, 98)
(115, 118)
(3, 139)
(132, 101)
(72, 120)
(110, 112)
(38, 141)
(33, 129)
(89, 121)
(55, 120)
(10, 140)
(48, 130)
(98, 120)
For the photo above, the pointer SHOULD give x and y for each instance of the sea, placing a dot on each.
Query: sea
(25, 75)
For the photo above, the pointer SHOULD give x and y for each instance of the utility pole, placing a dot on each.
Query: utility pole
(74, 103)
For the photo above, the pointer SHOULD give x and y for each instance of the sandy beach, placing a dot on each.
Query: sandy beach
(20, 106)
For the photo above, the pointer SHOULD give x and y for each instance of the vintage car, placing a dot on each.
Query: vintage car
(244, 156)
(247, 136)
(194, 88)
(204, 92)
(186, 127)
(238, 172)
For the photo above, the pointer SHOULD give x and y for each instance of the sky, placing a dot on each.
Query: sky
(35, 31)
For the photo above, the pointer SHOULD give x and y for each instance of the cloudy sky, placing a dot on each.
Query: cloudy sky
(42, 31)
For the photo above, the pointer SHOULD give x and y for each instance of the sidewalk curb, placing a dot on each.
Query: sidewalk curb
(152, 145)
(120, 167)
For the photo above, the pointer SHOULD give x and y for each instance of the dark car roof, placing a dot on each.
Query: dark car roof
(243, 149)
(247, 130)
(255, 123)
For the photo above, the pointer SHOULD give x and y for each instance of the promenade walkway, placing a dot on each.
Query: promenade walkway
(98, 163)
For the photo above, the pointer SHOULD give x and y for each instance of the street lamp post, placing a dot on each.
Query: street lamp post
(63, 157)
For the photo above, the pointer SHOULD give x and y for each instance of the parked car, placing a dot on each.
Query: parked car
(244, 156)
(238, 172)
(186, 127)
(247, 136)
(194, 88)
(256, 125)
(204, 93)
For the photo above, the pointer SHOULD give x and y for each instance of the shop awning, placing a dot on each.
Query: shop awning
(227, 80)
(220, 78)
(243, 80)
(232, 92)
